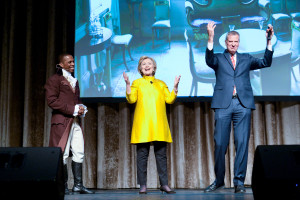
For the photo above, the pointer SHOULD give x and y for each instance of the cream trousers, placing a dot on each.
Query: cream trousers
(75, 144)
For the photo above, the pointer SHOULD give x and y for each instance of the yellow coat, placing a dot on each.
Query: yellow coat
(150, 121)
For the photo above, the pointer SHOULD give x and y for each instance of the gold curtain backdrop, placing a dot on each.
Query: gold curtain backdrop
(34, 32)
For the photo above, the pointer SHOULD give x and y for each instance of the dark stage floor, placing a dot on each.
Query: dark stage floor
(153, 194)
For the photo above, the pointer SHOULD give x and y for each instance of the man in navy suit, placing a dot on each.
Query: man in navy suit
(233, 101)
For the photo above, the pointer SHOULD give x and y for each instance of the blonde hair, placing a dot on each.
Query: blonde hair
(140, 64)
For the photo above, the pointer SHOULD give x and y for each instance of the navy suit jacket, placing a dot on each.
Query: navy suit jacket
(227, 77)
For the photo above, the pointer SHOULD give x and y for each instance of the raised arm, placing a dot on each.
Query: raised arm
(209, 54)
(176, 82)
(211, 31)
(269, 35)
(126, 79)
(131, 91)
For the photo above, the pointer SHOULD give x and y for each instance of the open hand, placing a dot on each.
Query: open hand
(126, 78)
(176, 82)
(211, 28)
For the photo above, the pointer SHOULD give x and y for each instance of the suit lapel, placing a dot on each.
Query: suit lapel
(66, 82)
(227, 56)
(238, 58)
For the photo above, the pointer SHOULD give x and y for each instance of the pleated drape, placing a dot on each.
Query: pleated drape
(34, 32)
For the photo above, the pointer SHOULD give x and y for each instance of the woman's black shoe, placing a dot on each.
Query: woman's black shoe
(143, 189)
(163, 189)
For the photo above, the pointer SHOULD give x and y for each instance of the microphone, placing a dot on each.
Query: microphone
(151, 82)
(58, 66)
(58, 69)
(269, 33)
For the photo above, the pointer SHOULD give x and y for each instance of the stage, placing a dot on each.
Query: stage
(155, 194)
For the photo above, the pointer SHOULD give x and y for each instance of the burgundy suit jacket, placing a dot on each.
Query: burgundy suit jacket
(62, 99)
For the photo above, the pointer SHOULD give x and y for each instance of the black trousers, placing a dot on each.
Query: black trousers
(160, 151)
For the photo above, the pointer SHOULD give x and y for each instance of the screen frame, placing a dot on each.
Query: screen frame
(275, 98)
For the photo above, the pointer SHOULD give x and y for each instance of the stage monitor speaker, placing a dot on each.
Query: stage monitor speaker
(276, 172)
(31, 173)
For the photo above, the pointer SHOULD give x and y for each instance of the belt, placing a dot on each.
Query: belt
(235, 96)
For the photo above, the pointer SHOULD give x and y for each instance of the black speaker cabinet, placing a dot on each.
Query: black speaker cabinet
(276, 172)
(31, 173)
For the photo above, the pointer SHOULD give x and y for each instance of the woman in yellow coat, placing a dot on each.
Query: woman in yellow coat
(150, 124)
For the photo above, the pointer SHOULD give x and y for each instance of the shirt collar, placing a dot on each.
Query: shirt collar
(66, 73)
(149, 78)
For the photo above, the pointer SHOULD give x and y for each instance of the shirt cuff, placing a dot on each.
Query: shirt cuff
(210, 45)
(269, 47)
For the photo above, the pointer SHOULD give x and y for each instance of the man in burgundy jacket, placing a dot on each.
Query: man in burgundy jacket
(62, 95)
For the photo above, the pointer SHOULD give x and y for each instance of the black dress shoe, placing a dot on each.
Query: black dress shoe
(239, 189)
(213, 187)
(81, 189)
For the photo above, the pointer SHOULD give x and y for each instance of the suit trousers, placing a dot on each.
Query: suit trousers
(160, 151)
(240, 116)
